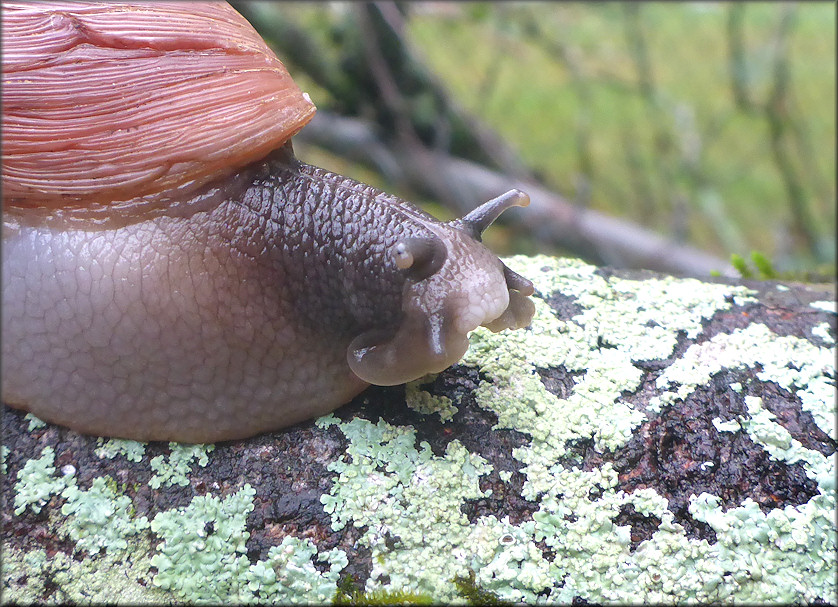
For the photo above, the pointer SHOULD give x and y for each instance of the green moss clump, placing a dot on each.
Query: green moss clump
(467, 588)
(348, 593)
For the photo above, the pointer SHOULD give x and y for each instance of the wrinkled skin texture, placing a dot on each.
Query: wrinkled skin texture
(268, 299)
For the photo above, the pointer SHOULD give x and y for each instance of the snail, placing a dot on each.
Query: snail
(172, 272)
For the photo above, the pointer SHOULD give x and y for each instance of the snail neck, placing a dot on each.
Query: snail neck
(331, 238)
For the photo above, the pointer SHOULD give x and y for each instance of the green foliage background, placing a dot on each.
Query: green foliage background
(684, 158)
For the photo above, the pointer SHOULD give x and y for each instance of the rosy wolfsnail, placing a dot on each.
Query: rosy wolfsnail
(171, 271)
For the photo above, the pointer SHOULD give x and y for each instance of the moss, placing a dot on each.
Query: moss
(37, 482)
(764, 267)
(741, 266)
(468, 589)
(348, 593)
(175, 469)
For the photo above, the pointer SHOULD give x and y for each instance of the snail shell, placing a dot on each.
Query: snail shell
(107, 103)
(171, 271)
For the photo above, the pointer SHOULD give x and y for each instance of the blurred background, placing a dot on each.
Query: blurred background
(666, 136)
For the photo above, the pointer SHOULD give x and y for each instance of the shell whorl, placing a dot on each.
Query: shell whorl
(108, 103)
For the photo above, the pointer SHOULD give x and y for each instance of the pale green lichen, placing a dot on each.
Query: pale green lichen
(4, 452)
(175, 469)
(726, 426)
(63, 579)
(763, 428)
(202, 557)
(826, 306)
(822, 330)
(593, 558)
(784, 556)
(37, 482)
(289, 575)
(793, 363)
(506, 559)
(522, 402)
(621, 322)
(426, 403)
(34, 422)
(406, 499)
(110, 448)
(99, 518)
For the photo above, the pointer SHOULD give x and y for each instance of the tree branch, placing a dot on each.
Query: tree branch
(550, 217)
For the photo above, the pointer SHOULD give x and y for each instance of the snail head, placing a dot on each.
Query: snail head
(453, 285)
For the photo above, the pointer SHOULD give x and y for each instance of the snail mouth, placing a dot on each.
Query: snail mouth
(520, 309)
(422, 344)
(433, 335)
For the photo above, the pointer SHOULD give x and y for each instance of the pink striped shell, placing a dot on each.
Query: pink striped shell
(111, 102)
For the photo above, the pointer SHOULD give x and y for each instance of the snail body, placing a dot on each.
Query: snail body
(163, 280)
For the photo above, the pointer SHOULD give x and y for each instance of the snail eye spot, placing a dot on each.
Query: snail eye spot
(419, 257)
(404, 258)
